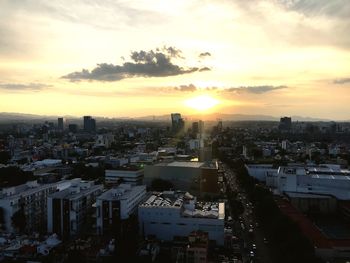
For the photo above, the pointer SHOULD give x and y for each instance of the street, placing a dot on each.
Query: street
(253, 244)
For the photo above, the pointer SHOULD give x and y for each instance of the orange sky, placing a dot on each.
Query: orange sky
(275, 57)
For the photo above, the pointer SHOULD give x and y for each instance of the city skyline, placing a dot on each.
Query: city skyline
(118, 58)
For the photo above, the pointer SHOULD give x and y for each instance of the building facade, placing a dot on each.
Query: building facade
(172, 214)
(69, 209)
(31, 198)
(116, 205)
(133, 176)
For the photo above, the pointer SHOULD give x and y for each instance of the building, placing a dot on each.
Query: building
(197, 249)
(195, 127)
(194, 144)
(30, 197)
(116, 205)
(73, 128)
(201, 126)
(285, 124)
(60, 124)
(260, 171)
(89, 124)
(128, 174)
(104, 140)
(177, 123)
(172, 214)
(324, 179)
(197, 177)
(69, 209)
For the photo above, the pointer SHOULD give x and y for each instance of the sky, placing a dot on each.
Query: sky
(125, 58)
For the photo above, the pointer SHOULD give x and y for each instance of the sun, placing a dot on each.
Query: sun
(202, 103)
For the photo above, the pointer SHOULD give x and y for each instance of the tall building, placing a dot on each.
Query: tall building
(201, 126)
(116, 205)
(176, 214)
(60, 124)
(68, 210)
(89, 124)
(177, 123)
(285, 124)
(195, 127)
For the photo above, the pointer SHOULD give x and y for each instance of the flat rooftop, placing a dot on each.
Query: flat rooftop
(70, 192)
(171, 199)
(182, 164)
(121, 192)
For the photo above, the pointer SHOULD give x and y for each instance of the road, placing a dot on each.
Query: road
(253, 245)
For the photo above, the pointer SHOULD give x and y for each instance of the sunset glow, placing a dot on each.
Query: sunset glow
(202, 103)
(129, 58)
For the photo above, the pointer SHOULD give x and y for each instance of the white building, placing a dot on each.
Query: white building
(117, 204)
(104, 140)
(260, 171)
(133, 176)
(323, 179)
(170, 214)
(32, 198)
(69, 208)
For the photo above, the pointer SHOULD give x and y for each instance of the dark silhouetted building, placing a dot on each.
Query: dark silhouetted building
(285, 124)
(89, 124)
(177, 123)
(73, 128)
(60, 124)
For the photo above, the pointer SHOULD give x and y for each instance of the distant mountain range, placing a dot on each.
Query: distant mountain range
(18, 117)
(229, 117)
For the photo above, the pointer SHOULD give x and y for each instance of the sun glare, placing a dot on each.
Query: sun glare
(201, 103)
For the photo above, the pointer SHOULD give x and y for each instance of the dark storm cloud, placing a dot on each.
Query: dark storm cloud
(342, 81)
(255, 89)
(144, 64)
(20, 87)
(204, 54)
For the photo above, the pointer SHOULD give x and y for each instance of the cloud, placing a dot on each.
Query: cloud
(190, 87)
(144, 64)
(204, 54)
(20, 87)
(255, 89)
(204, 69)
(242, 89)
(342, 81)
(334, 8)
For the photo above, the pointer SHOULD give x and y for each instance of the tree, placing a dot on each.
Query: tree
(19, 220)
(2, 219)
(4, 157)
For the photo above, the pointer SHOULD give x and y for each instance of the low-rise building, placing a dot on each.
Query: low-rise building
(197, 177)
(31, 198)
(323, 179)
(116, 205)
(69, 208)
(176, 214)
(127, 174)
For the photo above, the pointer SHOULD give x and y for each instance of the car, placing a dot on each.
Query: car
(253, 246)
(251, 254)
(265, 240)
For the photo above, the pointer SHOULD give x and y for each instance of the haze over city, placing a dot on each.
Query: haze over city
(136, 58)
